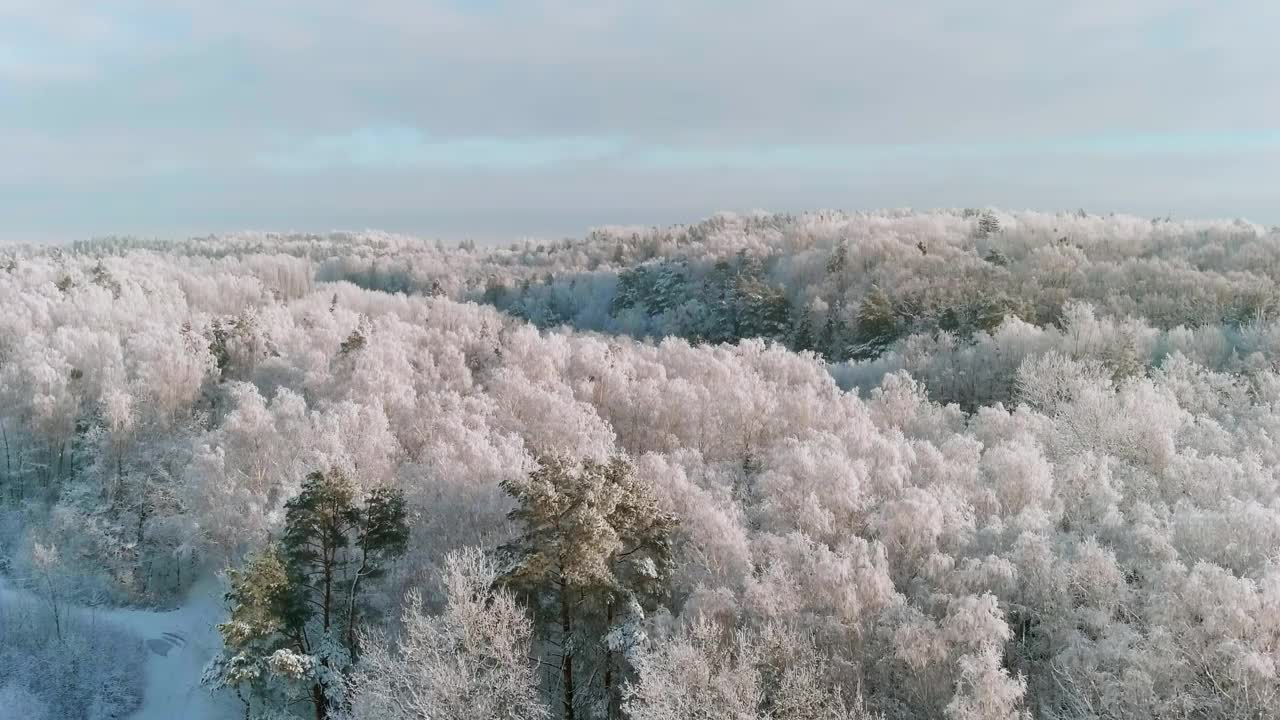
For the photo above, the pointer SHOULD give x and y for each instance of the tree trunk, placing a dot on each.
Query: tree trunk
(119, 475)
(318, 698)
(328, 586)
(8, 458)
(247, 706)
(351, 602)
(610, 712)
(321, 701)
(139, 538)
(53, 605)
(566, 661)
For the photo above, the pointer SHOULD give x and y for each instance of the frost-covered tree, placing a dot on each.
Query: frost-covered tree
(472, 660)
(705, 671)
(1049, 487)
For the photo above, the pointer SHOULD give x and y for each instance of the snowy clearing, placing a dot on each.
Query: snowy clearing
(179, 642)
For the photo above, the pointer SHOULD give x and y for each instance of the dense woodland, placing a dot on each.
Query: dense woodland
(972, 465)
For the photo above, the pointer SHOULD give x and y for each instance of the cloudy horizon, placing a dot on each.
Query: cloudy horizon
(494, 120)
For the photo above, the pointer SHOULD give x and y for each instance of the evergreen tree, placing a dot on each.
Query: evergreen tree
(832, 339)
(592, 539)
(764, 309)
(668, 290)
(988, 225)
(294, 606)
(101, 276)
(995, 257)
(632, 286)
(801, 334)
(720, 291)
(877, 325)
(839, 260)
(641, 569)
(218, 347)
(261, 622)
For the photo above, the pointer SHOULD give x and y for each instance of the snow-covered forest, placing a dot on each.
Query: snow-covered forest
(973, 465)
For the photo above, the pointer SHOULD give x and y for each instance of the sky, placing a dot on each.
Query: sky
(503, 119)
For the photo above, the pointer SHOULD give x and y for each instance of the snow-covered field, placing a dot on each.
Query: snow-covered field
(177, 645)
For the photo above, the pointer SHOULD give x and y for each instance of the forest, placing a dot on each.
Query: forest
(967, 464)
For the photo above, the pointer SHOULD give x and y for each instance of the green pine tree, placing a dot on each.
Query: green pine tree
(592, 539)
(801, 335)
(294, 606)
(877, 325)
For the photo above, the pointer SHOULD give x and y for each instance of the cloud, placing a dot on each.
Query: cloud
(814, 96)
(376, 148)
(837, 156)
(399, 148)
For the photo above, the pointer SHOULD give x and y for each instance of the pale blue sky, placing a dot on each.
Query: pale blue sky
(497, 119)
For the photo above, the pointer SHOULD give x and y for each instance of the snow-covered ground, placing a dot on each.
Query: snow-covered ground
(179, 643)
